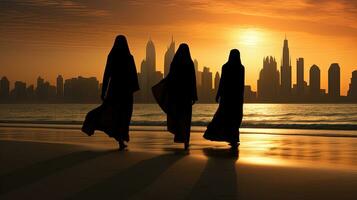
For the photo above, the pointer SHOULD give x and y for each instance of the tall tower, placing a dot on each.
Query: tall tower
(198, 74)
(206, 85)
(216, 81)
(150, 57)
(314, 86)
(19, 92)
(40, 82)
(352, 91)
(4, 88)
(195, 63)
(300, 76)
(286, 71)
(268, 82)
(148, 73)
(169, 55)
(59, 86)
(334, 80)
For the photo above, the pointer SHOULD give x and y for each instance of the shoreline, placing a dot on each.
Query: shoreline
(200, 129)
(57, 124)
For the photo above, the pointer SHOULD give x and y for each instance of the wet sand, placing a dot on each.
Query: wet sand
(59, 164)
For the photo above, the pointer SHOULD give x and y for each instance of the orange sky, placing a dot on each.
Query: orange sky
(73, 37)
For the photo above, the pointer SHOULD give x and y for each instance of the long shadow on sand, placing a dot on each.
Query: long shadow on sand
(128, 182)
(219, 179)
(29, 174)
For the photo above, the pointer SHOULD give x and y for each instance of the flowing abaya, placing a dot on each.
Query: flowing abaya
(175, 94)
(119, 83)
(228, 117)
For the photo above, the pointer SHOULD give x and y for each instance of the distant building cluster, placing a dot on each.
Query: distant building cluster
(74, 90)
(272, 86)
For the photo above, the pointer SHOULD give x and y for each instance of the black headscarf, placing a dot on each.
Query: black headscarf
(120, 47)
(181, 78)
(182, 55)
(234, 57)
(120, 70)
(232, 78)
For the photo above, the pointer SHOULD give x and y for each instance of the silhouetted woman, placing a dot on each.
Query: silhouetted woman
(177, 93)
(120, 81)
(228, 118)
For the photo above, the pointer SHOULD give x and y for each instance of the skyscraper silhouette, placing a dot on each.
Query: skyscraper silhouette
(169, 55)
(198, 80)
(268, 82)
(45, 92)
(249, 95)
(148, 76)
(314, 86)
(206, 86)
(300, 77)
(195, 63)
(30, 93)
(285, 91)
(40, 89)
(198, 75)
(19, 91)
(352, 92)
(59, 86)
(40, 81)
(216, 83)
(4, 89)
(334, 81)
(150, 56)
(81, 89)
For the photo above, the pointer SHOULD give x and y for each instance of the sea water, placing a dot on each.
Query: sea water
(291, 116)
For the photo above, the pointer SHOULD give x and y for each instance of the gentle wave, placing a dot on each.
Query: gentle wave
(320, 126)
(261, 115)
(279, 116)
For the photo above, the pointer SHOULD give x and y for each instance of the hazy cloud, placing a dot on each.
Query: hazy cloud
(87, 20)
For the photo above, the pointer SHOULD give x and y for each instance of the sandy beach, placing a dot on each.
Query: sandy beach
(43, 163)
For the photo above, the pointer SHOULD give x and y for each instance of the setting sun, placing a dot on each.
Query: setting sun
(249, 37)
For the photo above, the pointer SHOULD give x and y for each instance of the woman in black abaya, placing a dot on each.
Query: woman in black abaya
(120, 81)
(180, 87)
(228, 118)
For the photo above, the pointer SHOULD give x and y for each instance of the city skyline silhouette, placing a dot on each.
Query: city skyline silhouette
(273, 85)
(251, 81)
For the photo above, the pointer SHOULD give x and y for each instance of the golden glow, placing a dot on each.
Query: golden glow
(261, 160)
(249, 37)
(321, 32)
